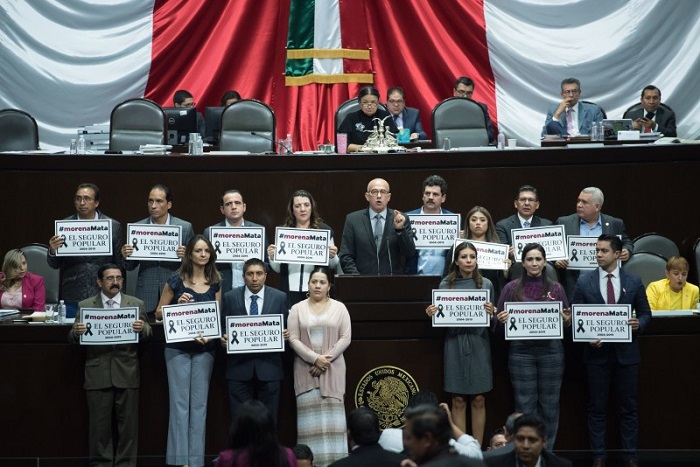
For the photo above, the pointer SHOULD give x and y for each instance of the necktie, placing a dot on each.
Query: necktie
(378, 230)
(569, 121)
(111, 303)
(254, 305)
(398, 119)
(649, 116)
(611, 291)
(526, 224)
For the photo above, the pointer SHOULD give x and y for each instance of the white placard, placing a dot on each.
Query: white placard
(187, 321)
(435, 231)
(552, 238)
(302, 246)
(607, 323)
(109, 326)
(254, 334)
(488, 255)
(237, 244)
(463, 308)
(582, 253)
(84, 238)
(154, 242)
(534, 320)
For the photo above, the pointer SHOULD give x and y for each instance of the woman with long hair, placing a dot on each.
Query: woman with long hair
(467, 352)
(19, 288)
(358, 125)
(189, 364)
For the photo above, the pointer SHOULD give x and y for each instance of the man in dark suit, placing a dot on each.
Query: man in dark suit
(154, 274)
(527, 202)
(112, 376)
(233, 207)
(613, 363)
(570, 116)
(464, 87)
(363, 438)
(652, 116)
(404, 117)
(254, 375)
(374, 239)
(529, 443)
(590, 222)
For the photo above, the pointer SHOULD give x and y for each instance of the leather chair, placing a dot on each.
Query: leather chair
(35, 254)
(605, 116)
(656, 243)
(18, 131)
(649, 267)
(243, 118)
(347, 107)
(460, 119)
(135, 122)
(638, 106)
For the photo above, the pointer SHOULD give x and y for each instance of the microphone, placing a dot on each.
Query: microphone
(388, 252)
(376, 244)
(255, 133)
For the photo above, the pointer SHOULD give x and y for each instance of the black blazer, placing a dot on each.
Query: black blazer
(504, 226)
(508, 460)
(664, 118)
(372, 455)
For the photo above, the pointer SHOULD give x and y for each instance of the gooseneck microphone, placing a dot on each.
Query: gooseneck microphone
(255, 133)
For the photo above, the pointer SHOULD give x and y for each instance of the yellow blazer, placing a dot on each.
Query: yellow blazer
(659, 296)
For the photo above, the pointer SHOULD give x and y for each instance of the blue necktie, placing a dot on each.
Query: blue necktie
(254, 305)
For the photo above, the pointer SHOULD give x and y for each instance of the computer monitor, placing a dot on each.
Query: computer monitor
(181, 122)
(212, 121)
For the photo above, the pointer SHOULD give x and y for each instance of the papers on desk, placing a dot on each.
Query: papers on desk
(8, 312)
(155, 149)
(229, 153)
(672, 313)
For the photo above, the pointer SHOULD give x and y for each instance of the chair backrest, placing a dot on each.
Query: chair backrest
(346, 108)
(243, 118)
(516, 270)
(656, 243)
(18, 131)
(638, 105)
(36, 263)
(649, 267)
(601, 109)
(460, 119)
(135, 122)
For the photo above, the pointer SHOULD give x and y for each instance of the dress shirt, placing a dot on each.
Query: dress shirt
(237, 267)
(382, 221)
(604, 283)
(261, 299)
(574, 118)
(398, 119)
(167, 221)
(117, 299)
(523, 220)
(587, 231)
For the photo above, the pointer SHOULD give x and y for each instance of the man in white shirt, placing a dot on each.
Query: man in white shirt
(570, 117)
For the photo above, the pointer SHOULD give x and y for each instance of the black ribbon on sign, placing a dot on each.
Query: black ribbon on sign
(171, 329)
(65, 243)
(411, 232)
(282, 252)
(440, 314)
(217, 244)
(512, 327)
(520, 248)
(234, 337)
(88, 332)
(135, 243)
(580, 326)
(574, 256)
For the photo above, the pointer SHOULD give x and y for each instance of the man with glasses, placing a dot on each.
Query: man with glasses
(464, 87)
(571, 117)
(184, 98)
(527, 202)
(78, 272)
(375, 239)
(404, 117)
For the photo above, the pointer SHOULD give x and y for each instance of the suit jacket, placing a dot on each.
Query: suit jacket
(227, 269)
(109, 366)
(588, 113)
(489, 125)
(33, 292)
(504, 226)
(664, 118)
(372, 455)
(411, 120)
(79, 273)
(572, 226)
(358, 248)
(154, 274)
(412, 263)
(631, 292)
(509, 460)
(266, 366)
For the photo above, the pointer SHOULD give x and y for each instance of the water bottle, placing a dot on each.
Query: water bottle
(501, 141)
(61, 312)
(288, 144)
(73, 146)
(200, 145)
(81, 145)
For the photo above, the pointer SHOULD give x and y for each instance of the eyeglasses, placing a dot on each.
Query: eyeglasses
(571, 92)
(395, 101)
(527, 200)
(369, 104)
(113, 279)
(86, 199)
(376, 192)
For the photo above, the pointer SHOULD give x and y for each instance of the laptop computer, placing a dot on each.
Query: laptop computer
(611, 127)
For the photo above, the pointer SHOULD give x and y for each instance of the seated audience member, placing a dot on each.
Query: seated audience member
(254, 440)
(529, 441)
(358, 125)
(653, 116)
(404, 117)
(674, 292)
(19, 288)
(497, 440)
(507, 429)
(304, 455)
(229, 98)
(363, 437)
(464, 87)
(570, 116)
(183, 98)
(526, 203)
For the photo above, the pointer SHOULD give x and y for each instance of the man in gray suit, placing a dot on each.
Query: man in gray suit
(570, 116)
(112, 376)
(590, 222)
(154, 274)
(527, 202)
(404, 117)
(233, 207)
(375, 238)
(652, 116)
(254, 375)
